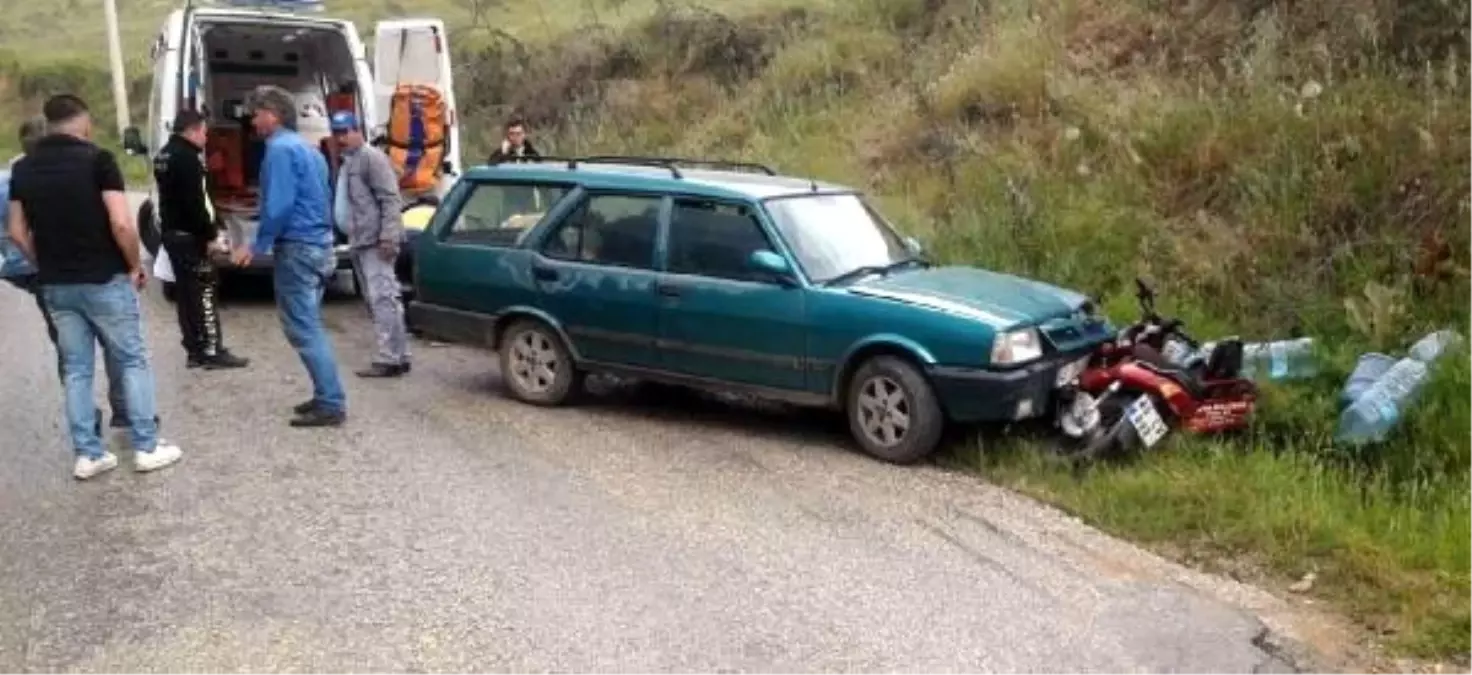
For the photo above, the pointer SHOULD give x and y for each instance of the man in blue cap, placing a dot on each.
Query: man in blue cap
(368, 207)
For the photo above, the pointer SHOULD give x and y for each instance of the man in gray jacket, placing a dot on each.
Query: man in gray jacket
(368, 207)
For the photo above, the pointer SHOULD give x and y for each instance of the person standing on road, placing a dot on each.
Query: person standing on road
(296, 229)
(18, 270)
(69, 214)
(188, 235)
(515, 146)
(367, 202)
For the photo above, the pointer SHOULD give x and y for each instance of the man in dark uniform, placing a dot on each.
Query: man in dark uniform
(188, 232)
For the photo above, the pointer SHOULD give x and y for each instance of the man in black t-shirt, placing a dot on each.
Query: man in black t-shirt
(29, 133)
(69, 214)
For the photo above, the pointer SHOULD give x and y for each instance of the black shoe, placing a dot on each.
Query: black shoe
(317, 417)
(304, 407)
(224, 361)
(121, 421)
(383, 370)
(195, 361)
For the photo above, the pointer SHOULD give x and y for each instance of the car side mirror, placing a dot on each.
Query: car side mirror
(914, 246)
(133, 142)
(770, 263)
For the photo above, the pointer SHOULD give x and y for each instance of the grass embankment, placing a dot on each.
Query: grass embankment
(1276, 167)
(26, 80)
(1271, 165)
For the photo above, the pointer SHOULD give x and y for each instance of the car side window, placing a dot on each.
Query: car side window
(608, 229)
(500, 214)
(715, 240)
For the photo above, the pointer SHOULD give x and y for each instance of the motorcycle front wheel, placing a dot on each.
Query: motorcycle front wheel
(1115, 436)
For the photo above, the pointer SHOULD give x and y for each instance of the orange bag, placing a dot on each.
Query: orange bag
(225, 158)
(418, 130)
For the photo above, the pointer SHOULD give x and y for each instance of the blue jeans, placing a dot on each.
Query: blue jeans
(301, 275)
(115, 399)
(85, 314)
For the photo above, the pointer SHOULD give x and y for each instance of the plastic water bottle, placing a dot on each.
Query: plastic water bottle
(1372, 416)
(1177, 352)
(1369, 368)
(1433, 346)
(1280, 360)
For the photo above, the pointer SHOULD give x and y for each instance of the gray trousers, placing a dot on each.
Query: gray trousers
(380, 289)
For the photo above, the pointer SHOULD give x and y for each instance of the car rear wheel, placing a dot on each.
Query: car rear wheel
(892, 411)
(536, 366)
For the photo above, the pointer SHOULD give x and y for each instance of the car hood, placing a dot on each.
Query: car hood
(999, 300)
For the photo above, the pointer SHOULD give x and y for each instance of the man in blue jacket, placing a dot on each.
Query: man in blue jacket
(18, 270)
(296, 229)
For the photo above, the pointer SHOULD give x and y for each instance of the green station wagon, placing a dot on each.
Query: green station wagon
(728, 277)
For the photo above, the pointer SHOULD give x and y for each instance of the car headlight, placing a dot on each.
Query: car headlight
(1017, 346)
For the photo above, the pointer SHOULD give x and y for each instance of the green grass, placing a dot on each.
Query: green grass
(1275, 167)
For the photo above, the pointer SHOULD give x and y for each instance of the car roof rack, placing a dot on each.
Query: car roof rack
(672, 164)
(676, 161)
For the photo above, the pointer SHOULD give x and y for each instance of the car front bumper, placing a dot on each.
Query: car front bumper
(971, 395)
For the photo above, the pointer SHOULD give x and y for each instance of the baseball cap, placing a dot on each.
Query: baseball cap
(343, 120)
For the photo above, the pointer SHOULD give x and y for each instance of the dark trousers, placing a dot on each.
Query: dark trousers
(195, 288)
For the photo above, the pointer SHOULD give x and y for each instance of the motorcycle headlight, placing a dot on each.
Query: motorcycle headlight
(1017, 346)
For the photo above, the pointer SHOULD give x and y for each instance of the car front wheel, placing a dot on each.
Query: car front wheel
(892, 411)
(536, 366)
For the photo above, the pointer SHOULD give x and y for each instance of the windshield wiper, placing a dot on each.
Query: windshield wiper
(865, 270)
(857, 273)
(912, 260)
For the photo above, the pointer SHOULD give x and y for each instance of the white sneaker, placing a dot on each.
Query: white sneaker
(86, 467)
(164, 454)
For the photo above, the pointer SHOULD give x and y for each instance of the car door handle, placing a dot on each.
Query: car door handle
(667, 290)
(544, 273)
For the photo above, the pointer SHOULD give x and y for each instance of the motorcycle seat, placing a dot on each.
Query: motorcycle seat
(1225, 360)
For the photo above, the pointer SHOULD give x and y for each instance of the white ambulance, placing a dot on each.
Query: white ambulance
(208, 58)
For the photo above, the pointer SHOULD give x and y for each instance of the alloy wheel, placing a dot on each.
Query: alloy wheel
(884, 411)
(534, 362)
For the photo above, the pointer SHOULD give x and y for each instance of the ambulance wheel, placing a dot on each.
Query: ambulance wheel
(148, 228)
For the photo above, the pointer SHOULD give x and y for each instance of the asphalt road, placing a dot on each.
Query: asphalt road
(446, 527)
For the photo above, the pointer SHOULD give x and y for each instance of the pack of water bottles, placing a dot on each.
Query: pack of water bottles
(1277, 360)
(1381, 388)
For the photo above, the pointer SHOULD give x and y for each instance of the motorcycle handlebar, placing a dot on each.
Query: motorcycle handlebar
(1151, 327)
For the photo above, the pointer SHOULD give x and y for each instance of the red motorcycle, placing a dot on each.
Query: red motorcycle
(1152, 378)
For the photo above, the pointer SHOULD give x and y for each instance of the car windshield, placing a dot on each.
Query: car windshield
(834, 235)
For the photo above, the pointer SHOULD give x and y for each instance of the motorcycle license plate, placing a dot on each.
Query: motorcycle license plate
(1146, 420)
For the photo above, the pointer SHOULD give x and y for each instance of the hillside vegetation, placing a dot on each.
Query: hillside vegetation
(1277, 167)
